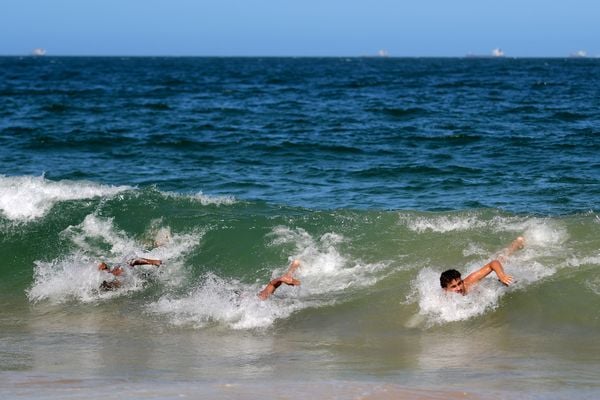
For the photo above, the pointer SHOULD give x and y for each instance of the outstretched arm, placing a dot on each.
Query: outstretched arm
(118, 270)
(496, 266)
(484, 271)
(285, 278)
(144, 261)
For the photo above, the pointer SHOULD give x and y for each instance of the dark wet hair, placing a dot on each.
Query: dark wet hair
(448, 276)
(110, 285)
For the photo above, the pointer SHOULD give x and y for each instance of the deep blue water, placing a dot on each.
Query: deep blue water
(521, 135)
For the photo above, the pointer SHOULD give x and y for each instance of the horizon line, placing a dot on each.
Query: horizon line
(468, 55)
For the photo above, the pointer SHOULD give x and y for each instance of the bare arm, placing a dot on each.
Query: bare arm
(285, 278)
(270, 289)
(496, 266)
(144, 261)
(484, 271)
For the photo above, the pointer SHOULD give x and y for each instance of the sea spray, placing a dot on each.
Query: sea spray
(219, 301)
(26, 198)
(324, 274)
(76, 276)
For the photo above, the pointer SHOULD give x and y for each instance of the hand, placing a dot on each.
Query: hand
(506, 279)
(288, 280)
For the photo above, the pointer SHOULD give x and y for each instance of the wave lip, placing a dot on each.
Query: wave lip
(26, 198)
(203, 198)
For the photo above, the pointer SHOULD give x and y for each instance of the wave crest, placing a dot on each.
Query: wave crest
(26, 198)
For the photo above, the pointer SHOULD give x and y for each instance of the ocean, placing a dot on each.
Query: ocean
(376, 173)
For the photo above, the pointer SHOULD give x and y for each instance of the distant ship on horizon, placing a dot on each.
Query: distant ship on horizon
(579, 54)
(38, 52)
(496, 53)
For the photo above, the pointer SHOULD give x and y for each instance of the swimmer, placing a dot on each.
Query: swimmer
(451, 281)
(285, 278)
(117, 270)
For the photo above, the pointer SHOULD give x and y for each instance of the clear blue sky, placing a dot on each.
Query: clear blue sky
(522, 28)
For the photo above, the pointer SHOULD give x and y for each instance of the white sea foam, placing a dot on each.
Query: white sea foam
(579, 261)
(544, 233)
(72, 278)
(538, 230)
(594, 285)
(228, 302)
(203, 199)
(98, 236)
(76, 276)
(218, 200)
(25, 198)
(442, 224)
(324, 271)
(324, 268)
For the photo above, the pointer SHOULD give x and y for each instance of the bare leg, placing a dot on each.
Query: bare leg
(291, 269)
(517, 244)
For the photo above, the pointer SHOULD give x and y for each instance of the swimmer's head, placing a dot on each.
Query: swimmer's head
(451, 281)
